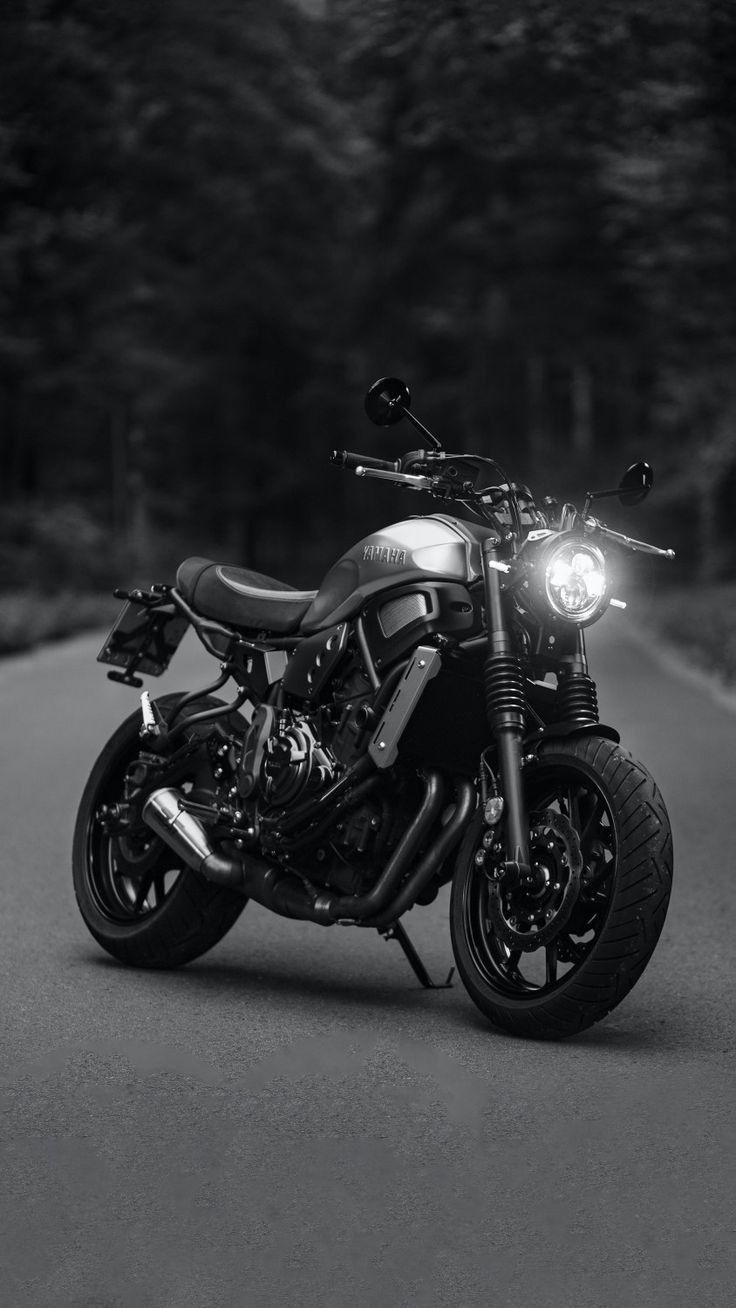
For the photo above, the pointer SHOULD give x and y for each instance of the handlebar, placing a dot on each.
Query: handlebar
(365, 466)
(348, 459)
(443, 484)
(595, 528)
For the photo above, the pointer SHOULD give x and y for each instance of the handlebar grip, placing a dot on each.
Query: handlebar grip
(347, 459)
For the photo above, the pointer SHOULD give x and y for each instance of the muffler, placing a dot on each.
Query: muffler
(164, 813)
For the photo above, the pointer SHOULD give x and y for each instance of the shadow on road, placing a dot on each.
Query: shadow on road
(275, 982)
(680, 1030)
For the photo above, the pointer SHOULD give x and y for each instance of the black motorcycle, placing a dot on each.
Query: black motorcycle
(426, 716)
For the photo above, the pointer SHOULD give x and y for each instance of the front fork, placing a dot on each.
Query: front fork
(505, 700)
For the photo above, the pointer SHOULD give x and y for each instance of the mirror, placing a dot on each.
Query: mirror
(636, 483)
(387, 400)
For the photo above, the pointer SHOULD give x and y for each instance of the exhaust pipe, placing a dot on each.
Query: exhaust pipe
(348, 908)
(449, 836)
(164, 813)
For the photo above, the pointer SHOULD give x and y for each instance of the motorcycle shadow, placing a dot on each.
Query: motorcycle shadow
(298, 989)
(677, 1032)
(280, 981)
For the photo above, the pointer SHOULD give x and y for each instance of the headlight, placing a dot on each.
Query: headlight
(575, 581)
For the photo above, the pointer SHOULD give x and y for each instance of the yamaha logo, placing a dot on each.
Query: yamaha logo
(382, 554)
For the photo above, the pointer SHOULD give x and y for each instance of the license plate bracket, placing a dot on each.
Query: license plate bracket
(143, 639)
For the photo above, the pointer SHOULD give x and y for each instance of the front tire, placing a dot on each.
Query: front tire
(551, 962)
(137, 899)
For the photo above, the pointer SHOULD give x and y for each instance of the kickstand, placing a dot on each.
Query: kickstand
(397, 932)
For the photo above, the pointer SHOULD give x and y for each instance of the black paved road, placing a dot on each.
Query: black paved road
(292, 1121)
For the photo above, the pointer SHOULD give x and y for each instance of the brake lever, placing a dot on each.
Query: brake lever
(594, 527)
(400, 478)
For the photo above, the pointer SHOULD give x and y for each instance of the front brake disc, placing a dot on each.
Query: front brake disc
(529, 918)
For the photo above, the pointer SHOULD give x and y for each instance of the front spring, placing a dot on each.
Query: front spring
(504, 689)
(577, 699)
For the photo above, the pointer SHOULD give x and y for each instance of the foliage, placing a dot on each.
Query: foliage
(221, 222)
(50, 546)
(28, 618)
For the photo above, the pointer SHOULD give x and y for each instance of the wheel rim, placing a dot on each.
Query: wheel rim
(130, 872)
(569, 808)
(128, 888)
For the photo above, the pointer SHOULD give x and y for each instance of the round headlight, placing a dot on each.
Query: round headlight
(575, 581)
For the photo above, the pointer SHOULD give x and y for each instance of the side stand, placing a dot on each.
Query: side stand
(397, 932)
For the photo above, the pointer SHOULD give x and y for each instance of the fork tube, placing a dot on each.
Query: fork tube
(505, 702)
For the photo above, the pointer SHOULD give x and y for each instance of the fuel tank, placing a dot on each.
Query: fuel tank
(436, 547)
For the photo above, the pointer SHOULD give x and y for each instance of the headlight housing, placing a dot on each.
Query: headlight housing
(575, 581)
(567, 579)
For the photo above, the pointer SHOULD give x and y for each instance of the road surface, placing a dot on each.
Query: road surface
(293, 1121)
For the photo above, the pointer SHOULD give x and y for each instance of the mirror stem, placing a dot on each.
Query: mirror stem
(602, 495)
(437, 445)
(598, 495)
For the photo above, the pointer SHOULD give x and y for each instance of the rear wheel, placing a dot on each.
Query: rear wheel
(551, 959)
(137, 899)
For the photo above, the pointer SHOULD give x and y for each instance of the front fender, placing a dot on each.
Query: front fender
(557, 730)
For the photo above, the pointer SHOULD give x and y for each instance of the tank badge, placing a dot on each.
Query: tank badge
(382, 554)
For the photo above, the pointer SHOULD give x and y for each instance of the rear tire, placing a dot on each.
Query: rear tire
(137, 899)
(602, 824)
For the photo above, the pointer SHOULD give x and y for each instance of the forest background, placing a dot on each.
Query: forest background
(219, 223)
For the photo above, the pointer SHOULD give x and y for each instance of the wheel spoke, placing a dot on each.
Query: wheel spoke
(577, 950)
(591, 824)
(547, 799)
(573, 808)
(551, 963)
(143, 892)
(160, 888)
(590, 885)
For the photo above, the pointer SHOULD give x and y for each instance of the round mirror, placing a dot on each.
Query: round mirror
(387, 400)
(636, 483)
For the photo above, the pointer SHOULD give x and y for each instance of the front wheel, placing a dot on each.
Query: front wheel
(549, 959)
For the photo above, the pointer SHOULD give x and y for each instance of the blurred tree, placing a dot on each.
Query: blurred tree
(172, 254)
(490, 248)
(219, 223)
(56, 224)
(670, 172)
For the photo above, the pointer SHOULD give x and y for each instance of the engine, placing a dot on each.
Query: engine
(288, 754)
(285, 760)
(294, 761)
(283, 757)
(351, 853)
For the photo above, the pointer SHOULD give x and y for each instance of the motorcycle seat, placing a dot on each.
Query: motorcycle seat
(241, 597)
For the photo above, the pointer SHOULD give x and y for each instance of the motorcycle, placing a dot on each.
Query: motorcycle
(426, 716)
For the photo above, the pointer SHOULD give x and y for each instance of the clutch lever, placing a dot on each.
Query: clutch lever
(595, 528)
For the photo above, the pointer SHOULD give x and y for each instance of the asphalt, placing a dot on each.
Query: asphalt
(293, 1121)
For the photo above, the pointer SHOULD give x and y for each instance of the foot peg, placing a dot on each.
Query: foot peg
(397, 932)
